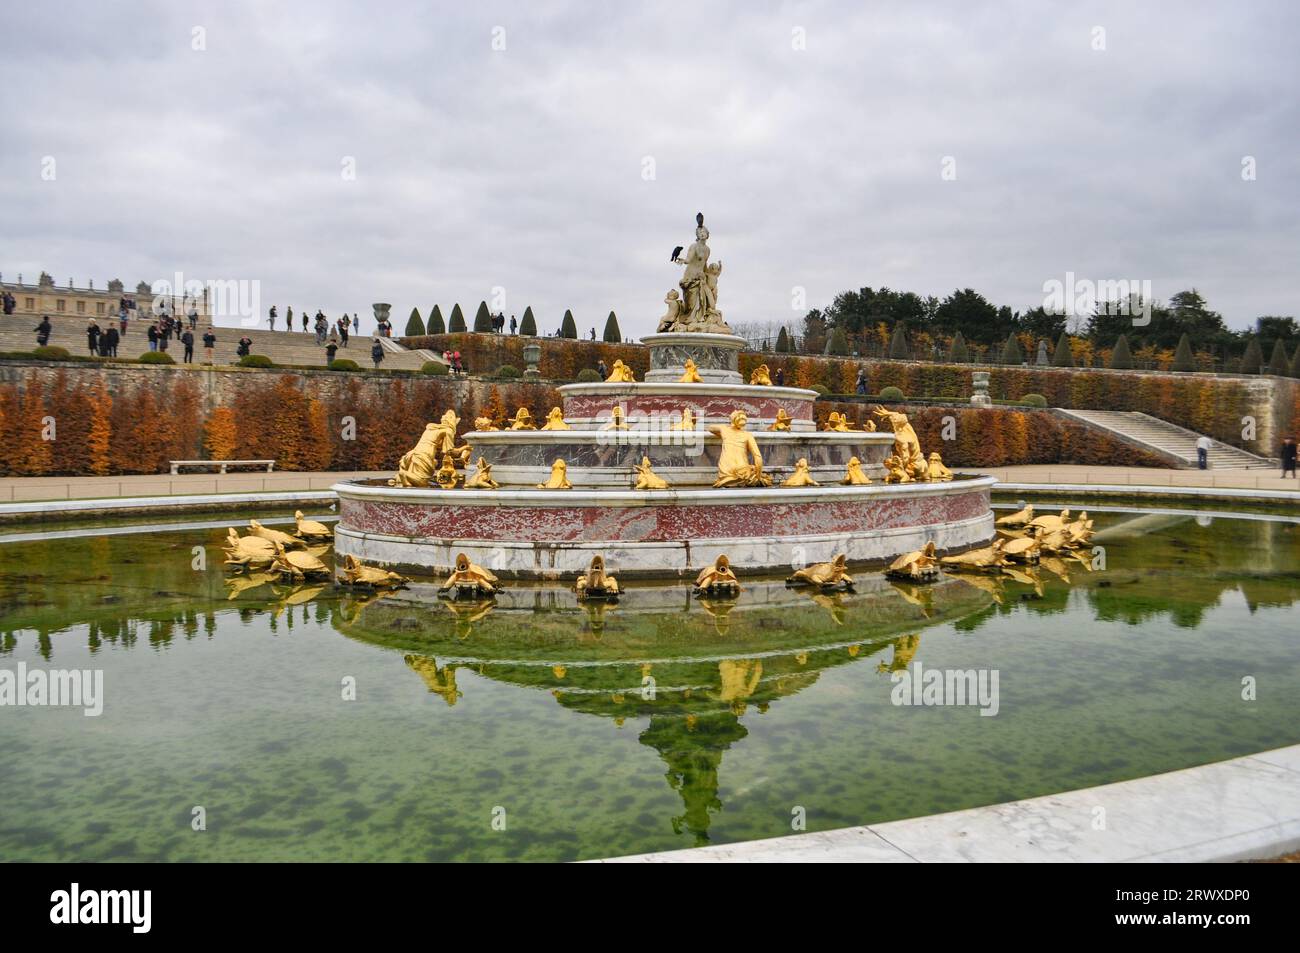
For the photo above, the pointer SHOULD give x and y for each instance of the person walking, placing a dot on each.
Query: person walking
(304, 321)
(377, 353)
(194, 315)
(110, 340)
(43, 331)
(188, 340)
(153, 337)
(330, 350)
(601, 369)
(162, 342)
(270, 317)
(122, 317)
(514, 326)
(1288, 457)
(1203, 445)
(861, 386)
(209, 342)
(343, 330)
(92, 337)
(779, 377)
(9, 302)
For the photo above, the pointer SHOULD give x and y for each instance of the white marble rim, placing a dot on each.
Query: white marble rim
(669, 438)
(694, 337)
(1121, 489)
(677, 389)
(164, 502)
(727, 496)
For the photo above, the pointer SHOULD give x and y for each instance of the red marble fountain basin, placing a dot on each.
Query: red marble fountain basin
(553, 533)
(658, 406)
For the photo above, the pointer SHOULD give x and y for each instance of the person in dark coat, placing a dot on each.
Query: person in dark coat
(779, 377)
(209, 342)
(1288, 457)
(153, 337)
(43, 331)
(92, 337)
(377, 352)
(330, 350)
(110, 340)
(187, 339)
(245, 347)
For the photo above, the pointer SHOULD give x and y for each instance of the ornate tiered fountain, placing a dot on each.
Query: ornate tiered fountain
(662, 476)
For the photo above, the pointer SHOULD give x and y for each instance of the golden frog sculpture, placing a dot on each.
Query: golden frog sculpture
(447, 477)
(616, 419)
(620, 373)
(595, 583)
(761, 376)
(555, 420)
(718, 579)
(647, 479)
(559, 479)
(523, 420)
(854, 475)
(468, 579)
(895, 472)
(801, 476)
(687, 422)
(782, 421)
(482, 478)
(690, 374)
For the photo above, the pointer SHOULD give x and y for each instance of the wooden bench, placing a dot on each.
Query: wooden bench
(269, 465)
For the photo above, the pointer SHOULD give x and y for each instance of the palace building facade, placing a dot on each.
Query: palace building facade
(46, 298)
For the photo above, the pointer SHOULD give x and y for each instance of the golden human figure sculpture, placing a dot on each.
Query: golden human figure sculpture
(687, 422)
(620, 373)
(801, 475)
(906, 445)
(484, 423)
(782, 421)
(482, 478)
(523, 420)
(761, 376)
(741, 463)
(616, 421)
(595, 583)
(647, 479)
(854, 475)
(938, 472)
(418, 465)
(555, 420)
(831, 575)
(447, 476)
(559, 479)
(469, 579)
(690, 374)
(718, 579)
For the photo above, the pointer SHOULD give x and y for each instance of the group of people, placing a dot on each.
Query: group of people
(454, 362)
(344, 325)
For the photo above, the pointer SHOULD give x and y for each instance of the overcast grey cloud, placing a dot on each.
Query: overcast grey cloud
(817, 167)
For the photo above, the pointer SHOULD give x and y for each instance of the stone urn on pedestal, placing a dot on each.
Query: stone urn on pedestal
(381, 314)
(979, 393)
(532, 357)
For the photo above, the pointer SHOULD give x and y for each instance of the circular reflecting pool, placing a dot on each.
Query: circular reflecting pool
(301, 722)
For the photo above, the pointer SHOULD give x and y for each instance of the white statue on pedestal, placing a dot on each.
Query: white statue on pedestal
(697, 309)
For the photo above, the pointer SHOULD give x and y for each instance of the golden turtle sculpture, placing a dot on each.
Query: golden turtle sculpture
(248, 552)
(986, 559)
(1019, 518)
(717, 580)
(357, 573)
(919, 566)
(274, 535)
(829, 577)
(297, 564)
(1023, 549)
(310, 529)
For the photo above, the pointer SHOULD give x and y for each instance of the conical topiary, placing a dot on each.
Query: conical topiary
(898, 343)
(1253, 359)
(1121, 358)
(1278, 365)
(783, 342)
(1011, 351)
(838, 343)
(457, 323)
(1063, 357)
(1184, 359)
(958, 353)
(482, 319)
(528, 326)
(569, 327)
(612, 334)
(414, 325)
(436, 325)
(1295, 362)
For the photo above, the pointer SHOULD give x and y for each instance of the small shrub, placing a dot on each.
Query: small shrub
(821, 389)
(1034, 400)
(589, 376)
(158, 357)
(507, 370)
(891, 393)
(248, 360)
(435, 368)
(51, 352)
(344, 364)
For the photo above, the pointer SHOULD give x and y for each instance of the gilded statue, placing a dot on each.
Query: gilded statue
(801, 476)
(937, 471)
(439, 681)
(741, 463)
(446, 475)
(718, 579)
(690, 374)
(297, 564)
(647, 479)
(356, 573)
(559, 479)
(310, 529)
(555, 420)
(919, 566)
(826, 576)
(485, 424)
(1019, 518)
(523, 420)
(1023, 549)
(895, 472)
(418, 465)
(273, 535)
(687, 422)
(1040, 524)
(854, 474)
(907, 448)
(760, 376)
(782, 421)
(482, 478)
(987, 559)
(620, 373)
(595, 583)
(249, 552)
(469, 580)
(616, 419)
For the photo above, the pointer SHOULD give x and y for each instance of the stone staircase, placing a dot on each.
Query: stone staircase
(282, 347)
(1167, 440)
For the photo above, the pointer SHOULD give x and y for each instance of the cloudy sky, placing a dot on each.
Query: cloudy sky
(560, 150)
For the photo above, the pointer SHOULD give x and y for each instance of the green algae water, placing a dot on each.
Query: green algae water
(306, 723)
